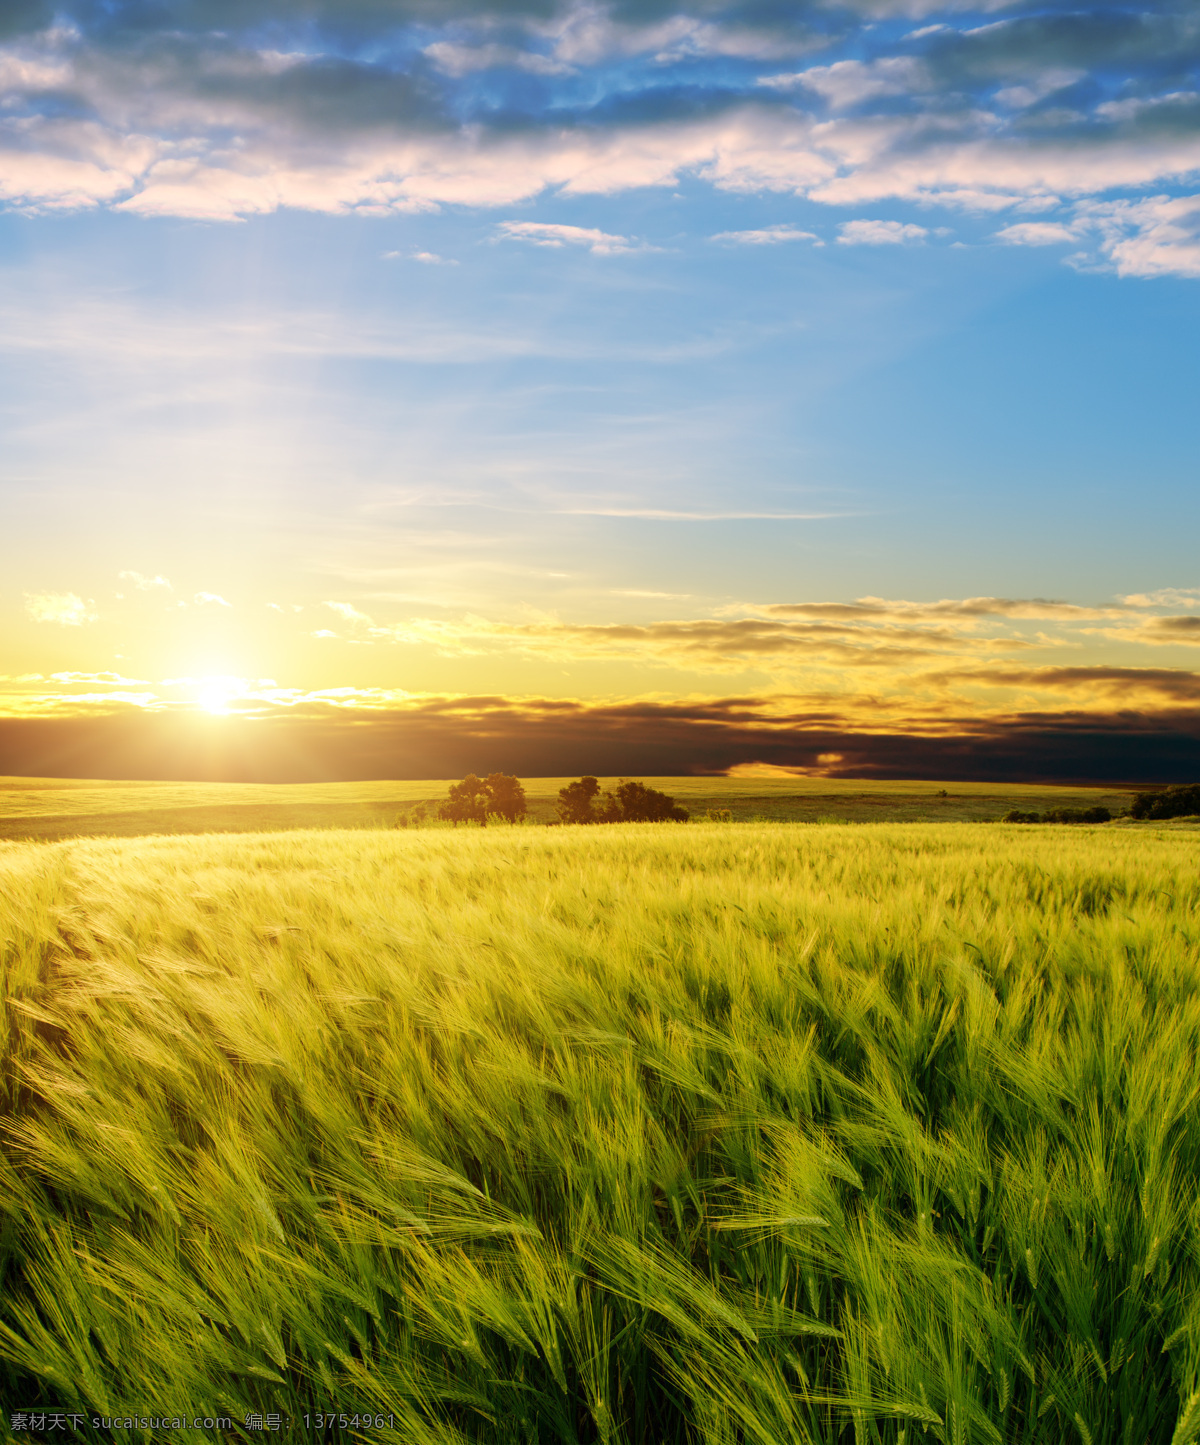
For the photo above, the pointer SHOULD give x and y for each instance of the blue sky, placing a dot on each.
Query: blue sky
(356, 356)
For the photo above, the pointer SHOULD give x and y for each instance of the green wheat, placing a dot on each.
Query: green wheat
(733, 1134)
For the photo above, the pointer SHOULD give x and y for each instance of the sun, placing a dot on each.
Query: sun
(214, 694)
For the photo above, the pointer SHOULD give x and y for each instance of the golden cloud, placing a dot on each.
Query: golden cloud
(714, 644)
(1159, 631)
(873, 664)
(969, 609)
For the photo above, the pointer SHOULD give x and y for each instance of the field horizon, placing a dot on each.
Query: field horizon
(51, 808)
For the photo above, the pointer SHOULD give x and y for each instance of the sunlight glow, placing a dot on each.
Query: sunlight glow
(214, 694)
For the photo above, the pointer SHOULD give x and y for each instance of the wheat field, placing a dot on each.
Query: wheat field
(635, 1135)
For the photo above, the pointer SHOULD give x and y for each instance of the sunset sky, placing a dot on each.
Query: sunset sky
(392, 389)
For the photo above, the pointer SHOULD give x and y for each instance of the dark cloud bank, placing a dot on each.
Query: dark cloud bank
(548, 739)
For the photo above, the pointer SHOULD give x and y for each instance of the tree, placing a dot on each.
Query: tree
(576, 802)
(467, 802)
(1180, 801)
(475, 800)
(636, 803)
(582, 802)
(506, 797)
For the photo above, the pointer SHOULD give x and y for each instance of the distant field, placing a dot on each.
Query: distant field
(720, 1135)
(54, 808)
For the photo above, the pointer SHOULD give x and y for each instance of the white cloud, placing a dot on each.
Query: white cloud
(29, 71)
(143, 583)
(427, 258)
(1038, 233)
(751, 148)
(208, 193)
(1159, 236)
(65, 608)
(599, 243)
(1135, 107)
(1155, 237)
(1165, 597)
(768, 236)
(879, 233)
(1020, 97)
(586, 34)
(148, 130)
(56, 182)
(363, 629)
(849, 82)
(205, 599)
(350, 613)
(112, 679)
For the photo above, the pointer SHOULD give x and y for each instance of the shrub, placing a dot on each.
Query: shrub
(719, 815)
(1076, 815)
(1180, 801)
(1060, 815)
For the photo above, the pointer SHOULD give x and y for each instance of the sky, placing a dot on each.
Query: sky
(400, 388)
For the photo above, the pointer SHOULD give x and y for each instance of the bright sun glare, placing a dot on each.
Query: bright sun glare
(214, 694)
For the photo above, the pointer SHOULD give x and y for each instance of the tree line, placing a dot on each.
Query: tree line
(1180, 800)
(1060, 815)
(583, 802)
(499, 795)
